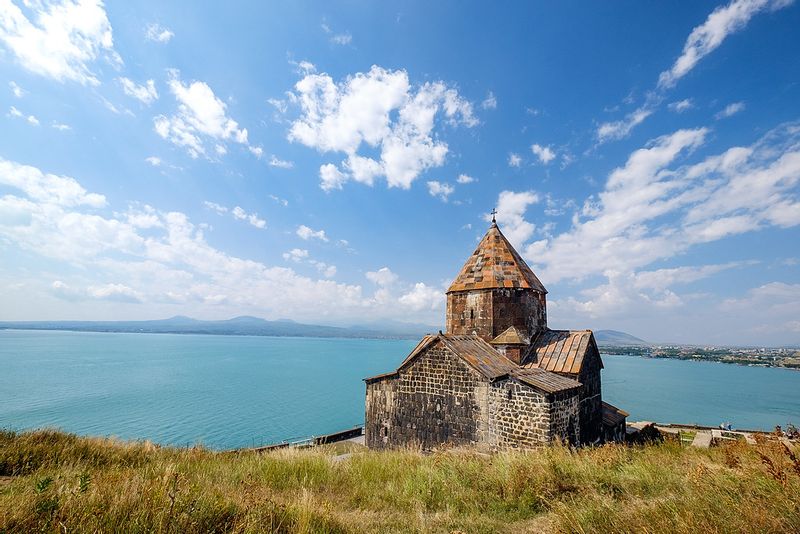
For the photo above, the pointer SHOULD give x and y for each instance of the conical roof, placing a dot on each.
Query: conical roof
(495, 264)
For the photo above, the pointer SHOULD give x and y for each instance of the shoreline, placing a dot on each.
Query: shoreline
(698, 360)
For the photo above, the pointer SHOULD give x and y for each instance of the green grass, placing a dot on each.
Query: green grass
(56, 482)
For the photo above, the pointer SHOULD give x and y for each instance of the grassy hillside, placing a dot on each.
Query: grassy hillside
(55, 482)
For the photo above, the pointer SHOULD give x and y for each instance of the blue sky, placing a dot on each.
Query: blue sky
(335, 162)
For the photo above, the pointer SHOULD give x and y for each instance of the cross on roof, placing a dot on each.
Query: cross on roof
(494, 212)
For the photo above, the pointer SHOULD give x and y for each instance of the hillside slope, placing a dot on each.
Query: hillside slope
(54, 482)
(619, 339)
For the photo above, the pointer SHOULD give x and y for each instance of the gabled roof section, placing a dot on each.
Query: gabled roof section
(479, 355)
(495, 264)
(511, 336)
(613, 416)
(486, 360)
(561, 351)
(475, 352)
(426, 341)
(548, 382)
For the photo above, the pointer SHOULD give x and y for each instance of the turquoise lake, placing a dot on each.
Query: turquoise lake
(238, 391)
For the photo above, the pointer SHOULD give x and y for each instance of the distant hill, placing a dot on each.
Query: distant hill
(614, 337)
(244, 325)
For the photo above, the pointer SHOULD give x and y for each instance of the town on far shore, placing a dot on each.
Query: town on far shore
(786, 357)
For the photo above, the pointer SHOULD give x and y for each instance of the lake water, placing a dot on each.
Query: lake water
(237, 391)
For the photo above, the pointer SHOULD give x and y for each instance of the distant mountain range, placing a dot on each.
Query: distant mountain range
(245, 325)
(619, 339)
(254, 326)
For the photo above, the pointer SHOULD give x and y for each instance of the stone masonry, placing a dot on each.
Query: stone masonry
(499, 377)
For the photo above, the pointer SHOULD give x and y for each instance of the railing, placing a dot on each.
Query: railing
(310, 441)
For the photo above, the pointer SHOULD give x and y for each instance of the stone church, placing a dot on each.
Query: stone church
(499, 377)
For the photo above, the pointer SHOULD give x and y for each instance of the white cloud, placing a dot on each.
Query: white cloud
(252, 218)
(281, 201)
(422, 297)
(306, 233)
(62, 40)
(281, 106)
(16, 90)
(379, 109)
(156, 32)
(730, 110)
(341, 39)
(544, 153)
(60, 126)
(159, 263)
(622, 128)
(155, 161)
(441, 190)
(300, 255)
(383, 277)
(31, 119)
(114, 292)
(490, 102)
(146, 94)
(304, 68)
(326, 270)
(201, 117)
(275, 161)
(514, 160)
(296, 255)
(238, 213)
(221, 210)
(511, 208)
(681, 105)
(705, 38)
(331, 177)
(465, 179)
(141, 216)
(47, 188)
(650, 211)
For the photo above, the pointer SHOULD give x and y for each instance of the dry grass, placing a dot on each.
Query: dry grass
(63, 483)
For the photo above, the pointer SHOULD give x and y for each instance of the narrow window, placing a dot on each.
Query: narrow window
(472, 314)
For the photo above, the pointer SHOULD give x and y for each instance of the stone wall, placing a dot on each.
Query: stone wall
(565, 416)
(489, 312)
(436, 399)
(519, 416)
(591, 407)
(522, 308)
(468, 312)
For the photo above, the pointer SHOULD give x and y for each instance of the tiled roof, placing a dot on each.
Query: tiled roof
(479, 355)
(495, 264)
(422, 345)
(560, 351)
(482, 357)
(511, 336)
(549, 382)
(612, 416)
